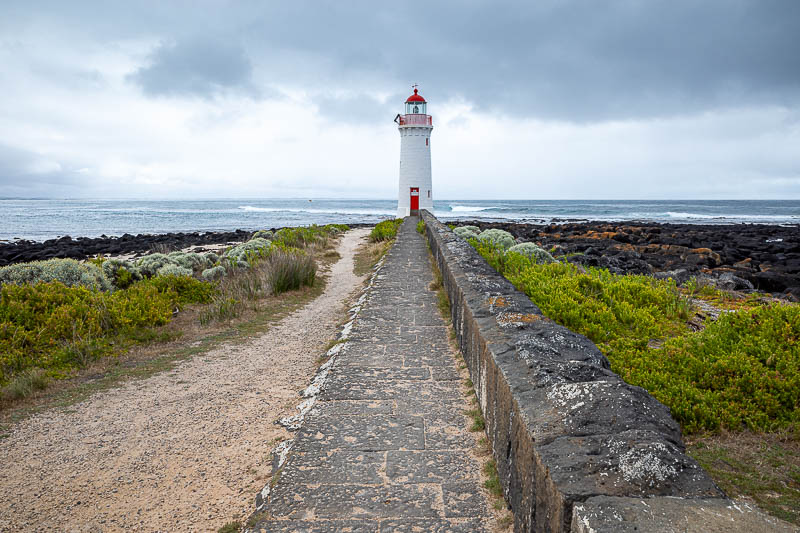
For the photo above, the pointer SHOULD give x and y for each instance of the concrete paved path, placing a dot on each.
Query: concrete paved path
(386, 447)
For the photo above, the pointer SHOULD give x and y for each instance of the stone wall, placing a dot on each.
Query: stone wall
(577, 448)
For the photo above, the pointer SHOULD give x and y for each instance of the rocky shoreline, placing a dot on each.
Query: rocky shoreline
(742, 257)
(84, 247)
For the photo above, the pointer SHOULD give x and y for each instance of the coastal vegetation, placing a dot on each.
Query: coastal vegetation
(59, 315)
(386, 230)
(733, 383)
(740, 371)
(381, 239)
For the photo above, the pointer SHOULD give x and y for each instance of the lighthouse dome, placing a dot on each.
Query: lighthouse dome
(415, 97)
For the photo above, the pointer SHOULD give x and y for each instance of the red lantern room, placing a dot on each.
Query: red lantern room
(415, 105)
(416, 112)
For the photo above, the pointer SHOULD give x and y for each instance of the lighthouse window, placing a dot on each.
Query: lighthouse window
(429, 194)
(416, 109)
(426, 141)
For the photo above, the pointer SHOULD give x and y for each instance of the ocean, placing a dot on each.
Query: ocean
(40, 219)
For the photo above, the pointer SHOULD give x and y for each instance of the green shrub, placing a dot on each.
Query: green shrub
(289, 270)
(531, 251)
(467, 232)
(67, 271)
(214, 273)
(740, 371)
(149, 265)
(191, 260)
(182, 289)
(421, 227)
(386, 230)
(497, 237)
(263, 234)
(336, 228)
(141, 305)
(243, 254)
(173, 270)
(292, 237)
(55, 327)
(121, 273)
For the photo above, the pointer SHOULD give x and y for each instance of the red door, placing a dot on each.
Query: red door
(414, 199)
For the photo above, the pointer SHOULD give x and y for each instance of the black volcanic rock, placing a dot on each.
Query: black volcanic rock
(80, 248)
(735, 256)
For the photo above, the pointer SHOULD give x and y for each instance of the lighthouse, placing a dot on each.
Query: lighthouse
(415, 126)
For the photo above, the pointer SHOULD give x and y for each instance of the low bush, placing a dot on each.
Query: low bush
(740, 371)
(531, 251)
(193, 261)
(263, 234)
(242, 255)
(467, 232)
(54, 327)
(214, 273)
(150, 264)
(386, 230)
(497, 237)
(121, 273)
(421, 227)
(183, 289)
(173, 270)
(337, 228)
(67, 271)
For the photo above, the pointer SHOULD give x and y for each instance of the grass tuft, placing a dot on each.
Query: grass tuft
(230, 527)
(290, 270)
(368, 256)
(765, 468)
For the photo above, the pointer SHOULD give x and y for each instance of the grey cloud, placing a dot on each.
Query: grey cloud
(575, 60)
(568, 60)
(361, 108)
(195, 67)
(25, 173)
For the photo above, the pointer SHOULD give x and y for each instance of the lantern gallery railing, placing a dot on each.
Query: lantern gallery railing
(414, 120)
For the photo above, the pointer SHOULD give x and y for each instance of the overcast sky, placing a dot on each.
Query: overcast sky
(547, 99)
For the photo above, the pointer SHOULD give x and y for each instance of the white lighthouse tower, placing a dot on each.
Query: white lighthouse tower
(415, 191)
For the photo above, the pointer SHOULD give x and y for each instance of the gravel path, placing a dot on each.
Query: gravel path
(183, 450)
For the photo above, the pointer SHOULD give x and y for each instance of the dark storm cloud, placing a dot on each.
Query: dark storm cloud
(572, 60)
(196, 67)
(577, 60)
